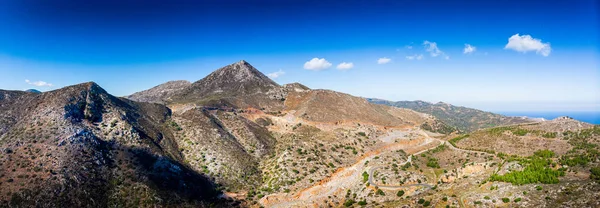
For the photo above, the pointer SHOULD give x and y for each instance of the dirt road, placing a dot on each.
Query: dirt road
(343, 178)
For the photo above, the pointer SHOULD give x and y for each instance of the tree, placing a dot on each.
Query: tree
(365, 177)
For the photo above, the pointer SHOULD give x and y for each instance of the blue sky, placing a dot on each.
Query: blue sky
(127, 46)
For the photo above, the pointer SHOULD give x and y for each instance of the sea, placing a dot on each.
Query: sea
(588, 117)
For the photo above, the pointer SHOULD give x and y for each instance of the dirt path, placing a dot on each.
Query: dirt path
(340, 181)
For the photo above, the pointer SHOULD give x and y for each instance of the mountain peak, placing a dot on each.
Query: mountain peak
(239, 72)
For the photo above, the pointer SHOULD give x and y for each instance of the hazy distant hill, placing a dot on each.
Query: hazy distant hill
(33, 91)
(463, 118)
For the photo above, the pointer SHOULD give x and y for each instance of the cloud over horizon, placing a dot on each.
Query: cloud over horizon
(526, 43)
(317, 64)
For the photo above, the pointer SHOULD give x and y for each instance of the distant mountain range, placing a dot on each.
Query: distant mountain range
(463, 118)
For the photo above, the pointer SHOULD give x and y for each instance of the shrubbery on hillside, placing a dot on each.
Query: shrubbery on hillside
(537, 170)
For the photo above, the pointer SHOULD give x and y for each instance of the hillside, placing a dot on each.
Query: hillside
(160, 93)
(82, 147)
(463, 118)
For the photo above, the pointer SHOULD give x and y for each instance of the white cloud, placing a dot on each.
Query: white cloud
(469, 49)
(383, 60)
(415, 57)
(317, 64)
(345, 66)
(408, 47)
(526, 43)
(276, 74)
(39, 83)
(432, 48)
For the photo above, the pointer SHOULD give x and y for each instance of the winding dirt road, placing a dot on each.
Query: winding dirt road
(343, 178)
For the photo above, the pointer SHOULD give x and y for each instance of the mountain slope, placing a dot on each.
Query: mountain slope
(159, 93)
(82, 147)
(465, 119)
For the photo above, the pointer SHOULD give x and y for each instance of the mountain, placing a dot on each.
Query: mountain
(33, 91)
(82, 147)
(159, 93)
(463, 118)
(236, 121)
(238, 85)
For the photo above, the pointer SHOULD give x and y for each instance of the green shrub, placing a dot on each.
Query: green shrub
(549, 135)
(365, 177)
(400, 193)
(544, 153)
(349, 202)
(505, 200)
(518, 199)
(380, 192)
(432, 163)
(421, 201)
(363, 202)
(574, 160)
(520, 132)
(426, 203)
(538, 169)
(595, 173)
(454, 140)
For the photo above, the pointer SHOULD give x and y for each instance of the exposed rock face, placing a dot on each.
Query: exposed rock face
(160, 93)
